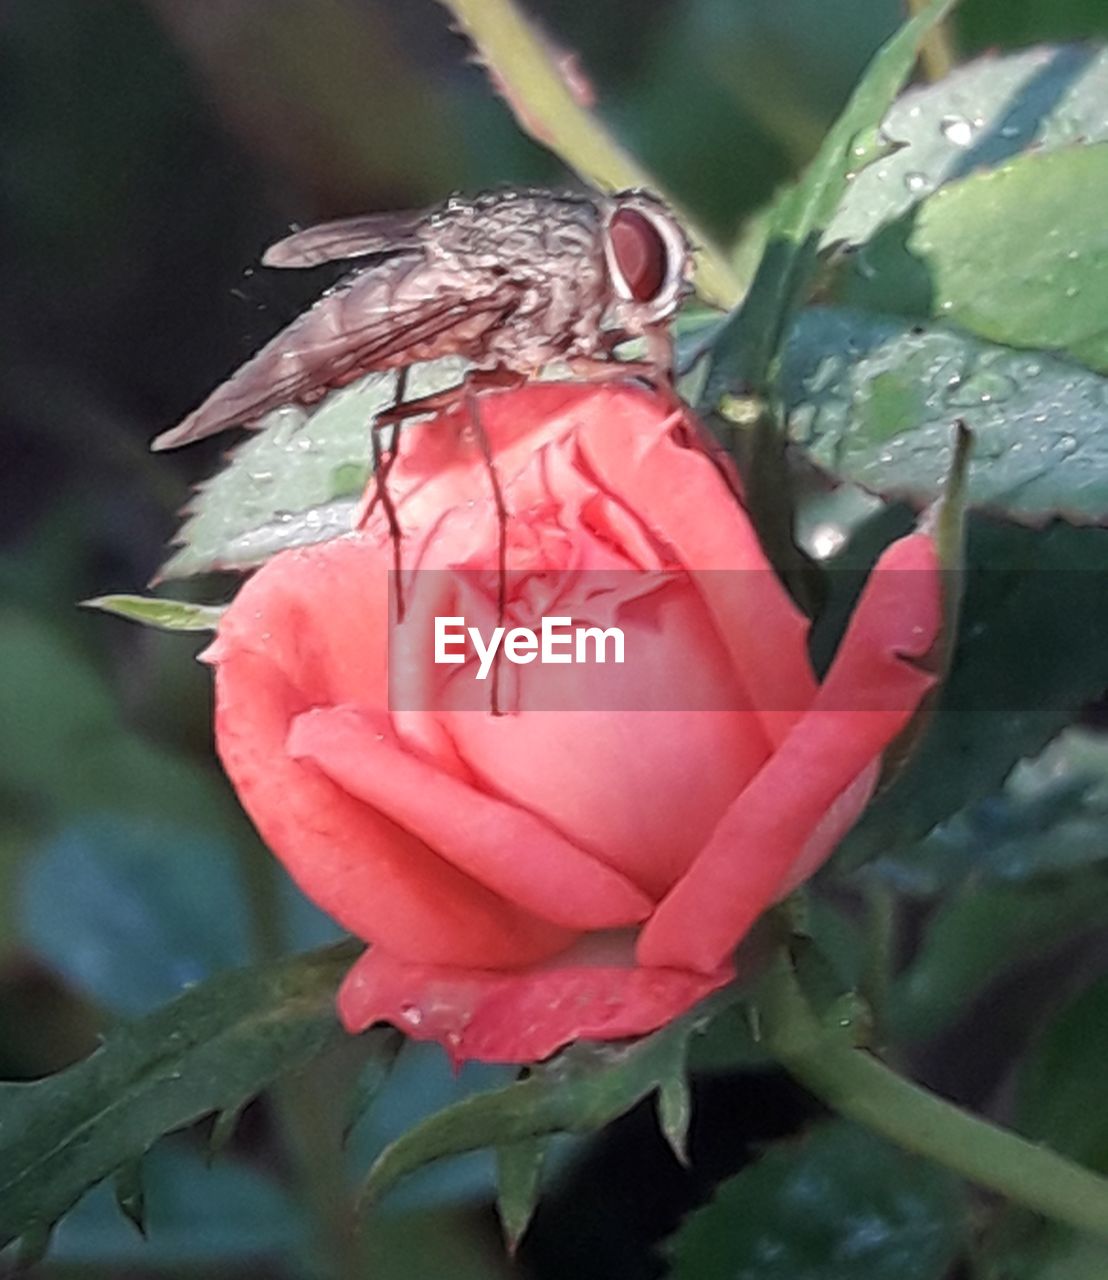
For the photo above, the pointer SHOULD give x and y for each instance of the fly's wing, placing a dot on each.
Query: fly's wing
(398, 312)
(345, 238)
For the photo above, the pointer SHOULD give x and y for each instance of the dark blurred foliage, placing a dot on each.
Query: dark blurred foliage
(148, 151)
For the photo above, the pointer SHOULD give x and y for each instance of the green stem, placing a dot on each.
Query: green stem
(314, 1141)
(309, 1125)
(937, 57)
(854, 1083)
(540, 95)
(880, 945)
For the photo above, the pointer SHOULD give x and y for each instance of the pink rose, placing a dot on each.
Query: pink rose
(529, 878)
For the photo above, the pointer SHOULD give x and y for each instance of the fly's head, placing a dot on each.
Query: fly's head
(649, 262)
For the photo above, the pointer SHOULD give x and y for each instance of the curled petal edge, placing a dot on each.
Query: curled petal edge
(872, 690)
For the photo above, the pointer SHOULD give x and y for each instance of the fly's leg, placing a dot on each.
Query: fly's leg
(384, 458)
(471, 404)
(657, 370)
(592, 369)
(381, 492)
(658, 376)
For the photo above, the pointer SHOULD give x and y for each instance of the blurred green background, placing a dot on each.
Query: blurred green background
(148, 152)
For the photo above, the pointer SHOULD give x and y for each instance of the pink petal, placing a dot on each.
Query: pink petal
(685, 502)
(500, 845)
(751, 855)
(516, 1017)
(643, 790)
(304, 631)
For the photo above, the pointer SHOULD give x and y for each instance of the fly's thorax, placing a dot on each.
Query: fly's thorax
(524, 234)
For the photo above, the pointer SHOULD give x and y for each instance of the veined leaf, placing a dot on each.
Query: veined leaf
(577, 1092)
(839, 1204)
(871, 399)
(167, 615)
(1049, 820)
(295, 480)
(519, 1179)
(978, 117)
(751, 338)
(1018, 255)
(203, 1052)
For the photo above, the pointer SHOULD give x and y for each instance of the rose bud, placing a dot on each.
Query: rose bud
(581, 861)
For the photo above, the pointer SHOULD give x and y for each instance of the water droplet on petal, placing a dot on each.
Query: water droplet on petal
(411, 1014)
(918, 183)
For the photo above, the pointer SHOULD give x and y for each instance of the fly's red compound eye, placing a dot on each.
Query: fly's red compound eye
(640, 253)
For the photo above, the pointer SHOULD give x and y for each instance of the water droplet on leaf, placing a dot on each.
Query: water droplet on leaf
(983, 387)
(957, 129)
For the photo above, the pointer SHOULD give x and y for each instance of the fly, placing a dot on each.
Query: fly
(509, 280)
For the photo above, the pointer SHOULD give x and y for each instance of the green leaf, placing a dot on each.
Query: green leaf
(978, 117)
(728, 1043)
(222, 1041)
(1029, 654)
(296, 480)
(131, 911)
(750, 340)
(384, 1045)
(152, 611)
(1018, 255)
(33, 1247)
(839, 1204)
(1031, 1250)
(449, 1243)
(988, 23)
(1059, 1101)
(423, 1083)
(196, 1217)
(1060, 1088)
(579, 1091)
(224, 1125)
(674, 1102)
(983, 932)
(871, 399)
(519, 1168)
(130, 1195)
(1050, 818)
(71, 753)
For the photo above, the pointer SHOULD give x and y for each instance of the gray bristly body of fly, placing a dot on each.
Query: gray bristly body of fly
(509, 280)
